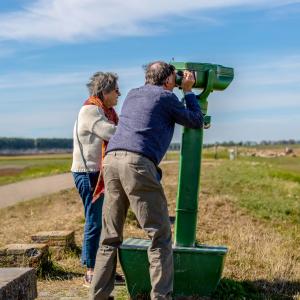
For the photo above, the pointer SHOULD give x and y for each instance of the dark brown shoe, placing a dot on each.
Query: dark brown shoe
(119, 279)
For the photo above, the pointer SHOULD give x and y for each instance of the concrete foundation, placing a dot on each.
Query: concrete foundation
(18, 284)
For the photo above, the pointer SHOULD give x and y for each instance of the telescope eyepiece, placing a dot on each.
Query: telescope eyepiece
(223, 75)
(179, 78)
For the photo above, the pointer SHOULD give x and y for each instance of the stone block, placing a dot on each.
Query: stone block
(24, 255)
(18, 283)
(56, 239)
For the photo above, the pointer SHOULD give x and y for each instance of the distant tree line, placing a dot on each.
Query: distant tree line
(54, 143)
(252, 143)
(176, 146)
(34, 144)
(67, 144)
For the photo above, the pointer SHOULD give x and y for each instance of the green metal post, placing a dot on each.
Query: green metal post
(189, 176)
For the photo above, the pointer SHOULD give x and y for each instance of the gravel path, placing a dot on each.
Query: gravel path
(12, 193)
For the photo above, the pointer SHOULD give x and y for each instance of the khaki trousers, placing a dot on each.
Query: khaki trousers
(132, 179)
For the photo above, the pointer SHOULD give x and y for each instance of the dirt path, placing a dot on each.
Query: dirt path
(10, 194)
(13, 193)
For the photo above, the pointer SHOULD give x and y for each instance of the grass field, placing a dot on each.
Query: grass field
(250, 204)
(17, 168)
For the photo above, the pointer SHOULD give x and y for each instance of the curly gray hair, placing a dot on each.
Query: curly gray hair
(102, 82)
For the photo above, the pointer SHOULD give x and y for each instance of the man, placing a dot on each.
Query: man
(132, 176)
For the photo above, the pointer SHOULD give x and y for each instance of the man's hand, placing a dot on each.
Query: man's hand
(188, 81)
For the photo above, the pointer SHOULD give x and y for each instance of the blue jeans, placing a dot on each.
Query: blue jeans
(92, 214)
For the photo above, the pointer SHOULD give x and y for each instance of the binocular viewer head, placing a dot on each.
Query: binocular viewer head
(222, 76)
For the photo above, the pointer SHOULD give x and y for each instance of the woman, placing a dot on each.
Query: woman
(95, 125)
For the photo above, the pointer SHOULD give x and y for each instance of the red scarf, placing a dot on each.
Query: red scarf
(112, 116)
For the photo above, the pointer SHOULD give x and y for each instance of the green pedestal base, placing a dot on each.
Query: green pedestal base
(198, 269)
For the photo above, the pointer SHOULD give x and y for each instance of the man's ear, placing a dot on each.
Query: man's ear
(167, 82)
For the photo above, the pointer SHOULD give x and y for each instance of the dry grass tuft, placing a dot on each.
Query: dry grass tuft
(257, 252)
(62, 211)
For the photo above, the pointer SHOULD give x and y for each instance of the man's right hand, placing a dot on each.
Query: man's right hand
(188, 81)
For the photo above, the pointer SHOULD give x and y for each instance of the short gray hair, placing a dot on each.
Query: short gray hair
(102, 82)
(157, 72)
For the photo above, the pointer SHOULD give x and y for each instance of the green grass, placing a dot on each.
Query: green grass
(284, 163)
(229, 289)
(268, 191)
(32, 167)
(207, 153)
(266, 188)
(172, 155)
(210, 153)
(235, 290)
(4, 159)
(290, 176)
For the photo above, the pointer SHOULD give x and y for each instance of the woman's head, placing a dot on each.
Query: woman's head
(104, 85)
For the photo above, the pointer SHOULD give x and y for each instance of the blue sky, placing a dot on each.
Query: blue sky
(50, 48)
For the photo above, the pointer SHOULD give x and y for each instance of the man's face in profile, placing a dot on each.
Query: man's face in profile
(170, 82)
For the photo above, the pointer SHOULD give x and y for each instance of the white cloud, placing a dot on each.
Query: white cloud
(269, 84)
(254, 129)
(31, 79)
(238, 113)
(57, 123)
(73, 20)
(276, 71)
(253, 102)
(128, 77)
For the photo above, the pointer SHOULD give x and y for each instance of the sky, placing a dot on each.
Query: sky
(50, 48)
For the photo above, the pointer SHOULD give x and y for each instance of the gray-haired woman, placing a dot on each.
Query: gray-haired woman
(95, 125)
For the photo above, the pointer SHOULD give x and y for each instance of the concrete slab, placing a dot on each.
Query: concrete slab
(18, 283)
(24, 255)
(64, 238)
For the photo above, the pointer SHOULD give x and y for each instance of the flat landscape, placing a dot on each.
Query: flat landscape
(250, 204)
(17, 168)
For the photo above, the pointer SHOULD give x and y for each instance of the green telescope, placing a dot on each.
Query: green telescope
(222, 76)
(208, 77)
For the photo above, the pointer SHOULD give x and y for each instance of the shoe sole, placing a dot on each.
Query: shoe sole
(120, 283)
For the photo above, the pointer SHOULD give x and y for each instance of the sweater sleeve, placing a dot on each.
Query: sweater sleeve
(101, 126)
(189, 116)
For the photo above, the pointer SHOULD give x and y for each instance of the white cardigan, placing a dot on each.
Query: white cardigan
(93, 127)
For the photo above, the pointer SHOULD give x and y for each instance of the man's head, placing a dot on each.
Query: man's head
(161, 74)
(105, 87)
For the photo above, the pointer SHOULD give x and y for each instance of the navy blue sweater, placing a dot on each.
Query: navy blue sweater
(148, 118)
